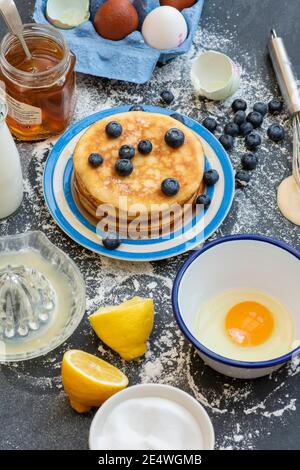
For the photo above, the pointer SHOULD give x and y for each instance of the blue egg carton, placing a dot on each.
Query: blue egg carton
(130, 59)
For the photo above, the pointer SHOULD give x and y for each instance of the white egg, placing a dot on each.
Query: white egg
(164, 28)
(210, 327)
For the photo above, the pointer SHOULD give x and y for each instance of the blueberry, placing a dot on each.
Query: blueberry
(252, 141)
(95, 159)
(136, 107)
(275, 106)
(174, 138)
(242, 178)
(227, 141)
(255, 118)
(113, 129)
(211, 177)
(239, 117)
(170, 187)
(127, 152)
(203, 200)
(232, 129)
(111, 241)
(276, 132)
(178, 117)
(124, 167)
(261, 108)
(167, 97)
(246, 128)
(210, 124)
(249, 161)
(145, 147)
(239, 105)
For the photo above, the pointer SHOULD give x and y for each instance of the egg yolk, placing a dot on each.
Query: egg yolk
(249, 323)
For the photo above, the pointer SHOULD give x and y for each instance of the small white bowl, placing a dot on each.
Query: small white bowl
(154, 390)
(237, 262)
(215, 76)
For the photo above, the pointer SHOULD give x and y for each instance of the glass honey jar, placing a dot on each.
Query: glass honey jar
(40, 92)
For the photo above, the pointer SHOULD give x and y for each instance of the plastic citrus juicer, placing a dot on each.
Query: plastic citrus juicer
(42, 296)
(27, 300)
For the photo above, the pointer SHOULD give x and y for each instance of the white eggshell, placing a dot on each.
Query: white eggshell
(164, 28)
(67, 14)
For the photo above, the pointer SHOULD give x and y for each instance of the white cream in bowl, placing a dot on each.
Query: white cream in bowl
(151, 417)
(150, 423)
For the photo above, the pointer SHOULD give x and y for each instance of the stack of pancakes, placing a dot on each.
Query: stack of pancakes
(137, 199)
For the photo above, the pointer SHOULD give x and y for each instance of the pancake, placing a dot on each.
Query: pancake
(102, 185)
(153, 225)
(91, 207)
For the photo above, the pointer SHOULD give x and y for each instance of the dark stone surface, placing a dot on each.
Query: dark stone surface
(260, 414)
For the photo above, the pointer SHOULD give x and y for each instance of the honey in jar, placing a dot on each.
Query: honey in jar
(40, 91)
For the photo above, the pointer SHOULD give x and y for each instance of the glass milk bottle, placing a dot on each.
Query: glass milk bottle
(11, 182)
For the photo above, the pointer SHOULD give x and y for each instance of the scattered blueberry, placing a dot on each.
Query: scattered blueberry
(255, 118)
(203, 200)
(178, 117)
(275, 106)
(145, 147)
(111, 241)
(124, 167)
(227, 141)
(239, 117)
(211, 177)
(246, 128)
(210, 124)
(170, 187)
(174, 138)
(232, 129)
(242, 178)
(113, 129)
(127, 152)
(167, 97)
(136, 107)
(249, 161)
(95, 159)
(252, 141)
(261, 108)
(276, 132)
(239, 105)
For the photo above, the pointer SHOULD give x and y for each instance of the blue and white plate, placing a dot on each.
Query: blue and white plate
(74, 222)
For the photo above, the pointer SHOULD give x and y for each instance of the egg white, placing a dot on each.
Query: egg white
(211, 332)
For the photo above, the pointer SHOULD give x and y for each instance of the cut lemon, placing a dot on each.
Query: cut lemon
(125, 328)
(88, 380)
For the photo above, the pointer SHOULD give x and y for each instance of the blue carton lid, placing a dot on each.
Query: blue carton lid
(130, 59)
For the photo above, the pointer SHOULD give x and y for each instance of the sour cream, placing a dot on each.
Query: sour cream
(149, 423)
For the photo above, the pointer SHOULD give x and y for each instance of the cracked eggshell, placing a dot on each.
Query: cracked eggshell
(215, 76)
(67, 14)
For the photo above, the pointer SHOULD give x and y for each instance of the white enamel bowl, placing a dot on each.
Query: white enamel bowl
(154, 390)
(238, 262)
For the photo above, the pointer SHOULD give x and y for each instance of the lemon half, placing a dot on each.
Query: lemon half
(125, 328)
(88, 380)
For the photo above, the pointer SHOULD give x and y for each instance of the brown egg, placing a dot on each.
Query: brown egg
(115, 19)
(179, 4)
